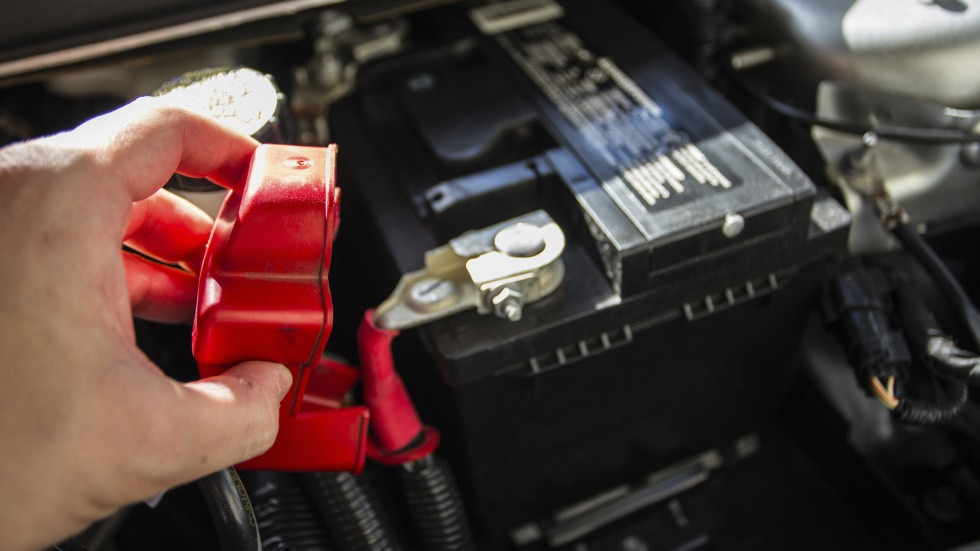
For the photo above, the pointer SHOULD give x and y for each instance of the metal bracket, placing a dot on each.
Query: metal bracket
(860, 172)
(496, 270)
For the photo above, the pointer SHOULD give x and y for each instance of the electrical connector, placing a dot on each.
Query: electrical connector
(861, 306)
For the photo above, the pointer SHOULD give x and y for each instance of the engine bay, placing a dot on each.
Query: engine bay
(681, 277)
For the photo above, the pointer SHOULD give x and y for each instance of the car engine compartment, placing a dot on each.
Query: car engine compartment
(687, 276)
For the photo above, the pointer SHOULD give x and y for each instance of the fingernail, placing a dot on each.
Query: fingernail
(284, 380)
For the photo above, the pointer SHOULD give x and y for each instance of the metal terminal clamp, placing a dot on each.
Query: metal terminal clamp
(496, 270)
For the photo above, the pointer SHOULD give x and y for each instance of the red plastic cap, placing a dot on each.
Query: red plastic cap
(263, 295)
(263, 292)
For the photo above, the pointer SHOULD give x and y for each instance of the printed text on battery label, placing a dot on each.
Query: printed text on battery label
(620, 122)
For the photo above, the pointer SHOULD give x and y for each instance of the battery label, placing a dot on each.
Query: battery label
(618, 120)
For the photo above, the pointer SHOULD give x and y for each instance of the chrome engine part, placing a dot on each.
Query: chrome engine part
(879, 63)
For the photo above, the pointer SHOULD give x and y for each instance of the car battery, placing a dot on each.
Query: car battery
(688, 265)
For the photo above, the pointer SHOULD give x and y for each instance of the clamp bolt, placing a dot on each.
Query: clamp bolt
(507, 303)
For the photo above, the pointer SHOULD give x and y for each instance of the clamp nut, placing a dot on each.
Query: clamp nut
(507, 303)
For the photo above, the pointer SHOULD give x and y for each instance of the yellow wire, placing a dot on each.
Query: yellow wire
(886, 398)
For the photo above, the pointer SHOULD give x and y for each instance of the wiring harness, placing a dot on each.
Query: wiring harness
(889, 330)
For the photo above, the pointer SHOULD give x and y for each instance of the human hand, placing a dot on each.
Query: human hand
(87, 422)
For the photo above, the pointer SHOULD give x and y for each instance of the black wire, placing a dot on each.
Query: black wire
(231, 510)
(435, 505)
(959, 300)
(351, 511)
(912, 134)
(286, 518)
(942, 409)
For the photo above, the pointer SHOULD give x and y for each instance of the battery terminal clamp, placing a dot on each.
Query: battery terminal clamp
(497, 270)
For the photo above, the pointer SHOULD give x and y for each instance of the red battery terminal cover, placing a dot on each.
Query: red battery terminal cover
(263, 294)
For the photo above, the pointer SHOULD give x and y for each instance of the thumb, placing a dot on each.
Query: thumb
(233, 416)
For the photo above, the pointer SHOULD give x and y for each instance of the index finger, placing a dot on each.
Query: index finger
(143, 143)
(170, 228)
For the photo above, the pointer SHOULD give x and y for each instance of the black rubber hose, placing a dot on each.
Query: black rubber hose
(286, 518)
(351, 512)
(959, 300)
(231, 510)
(435, 505)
